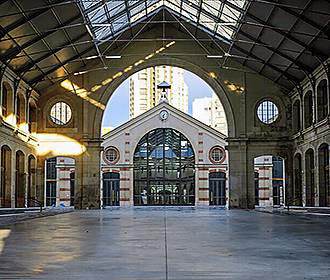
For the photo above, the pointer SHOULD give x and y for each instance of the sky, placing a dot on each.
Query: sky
(117, 109)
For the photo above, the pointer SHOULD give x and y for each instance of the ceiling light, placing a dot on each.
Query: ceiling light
(112, 56)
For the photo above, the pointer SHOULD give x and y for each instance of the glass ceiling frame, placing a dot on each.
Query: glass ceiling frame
(106, 19)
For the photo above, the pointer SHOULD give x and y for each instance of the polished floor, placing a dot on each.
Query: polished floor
(171, 243)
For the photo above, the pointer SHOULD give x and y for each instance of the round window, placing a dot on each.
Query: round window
(267, 112)
(217, 154)
(60, 113)
(111, 155)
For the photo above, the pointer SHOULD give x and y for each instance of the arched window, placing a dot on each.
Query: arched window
(310, 179)
(296, 117)
(308, 109)
(164, 169)
(297, 193)
(31, 190)
(4, 100)
(6, 174)
(322, 100)
(324, 180)
(20, 180)
(20, 110)
(32, 118)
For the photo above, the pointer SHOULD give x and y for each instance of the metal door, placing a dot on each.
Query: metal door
(217, 188)
(111, 189)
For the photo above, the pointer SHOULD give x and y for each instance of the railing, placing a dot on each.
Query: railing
(7, 203)
(37, 202)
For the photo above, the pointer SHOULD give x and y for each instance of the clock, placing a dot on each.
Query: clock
(163, 115)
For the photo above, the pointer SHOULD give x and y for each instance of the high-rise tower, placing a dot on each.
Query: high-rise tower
(143, 92)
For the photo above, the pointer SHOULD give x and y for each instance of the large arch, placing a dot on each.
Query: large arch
(215, 84)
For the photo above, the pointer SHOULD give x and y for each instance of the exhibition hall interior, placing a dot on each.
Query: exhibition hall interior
(164, 139)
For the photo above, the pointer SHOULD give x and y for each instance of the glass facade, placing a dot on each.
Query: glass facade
(164, 169)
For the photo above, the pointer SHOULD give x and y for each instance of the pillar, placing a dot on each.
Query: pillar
(87, 180)
(241, 175)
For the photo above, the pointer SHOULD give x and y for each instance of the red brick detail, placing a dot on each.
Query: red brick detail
(203, 189)
(126, 160)
(263, 178)
(124, 189)
(64, 189)
(115, 171)
(263, 188)
(203, 168)
(124, 169)
(124, 179)
(124, 199)
(203, 199)
(203, 179)
(200, 142)
(64, 179)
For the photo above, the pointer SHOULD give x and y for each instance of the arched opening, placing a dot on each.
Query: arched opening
(296, 117)
(309, 177)
(20, 182)
(164, 169)
(269, 178)
(322, 100)
(308, 109)
(324, 175)
(188, 93)
(7, 101)
(297, 193)
(31, 188)
(5, 191)
(217, 188)
(32, 121)
(60, 181)
(111, 189)
(20, 111)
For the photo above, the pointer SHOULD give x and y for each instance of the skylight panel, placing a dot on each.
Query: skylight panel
(211, 15)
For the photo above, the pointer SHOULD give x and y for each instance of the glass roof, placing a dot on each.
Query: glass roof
(106, 18)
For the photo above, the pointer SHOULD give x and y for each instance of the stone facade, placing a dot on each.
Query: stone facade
(126, 137)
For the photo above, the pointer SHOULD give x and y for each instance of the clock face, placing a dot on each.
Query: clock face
(163, 115)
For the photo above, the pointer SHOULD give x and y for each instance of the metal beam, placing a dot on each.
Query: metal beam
(15, 51)
(306, 20)
(40, 77)
(314, 51)
(25, 67)
(21, 21)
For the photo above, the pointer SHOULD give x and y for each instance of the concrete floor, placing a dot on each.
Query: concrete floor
(149, 243)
